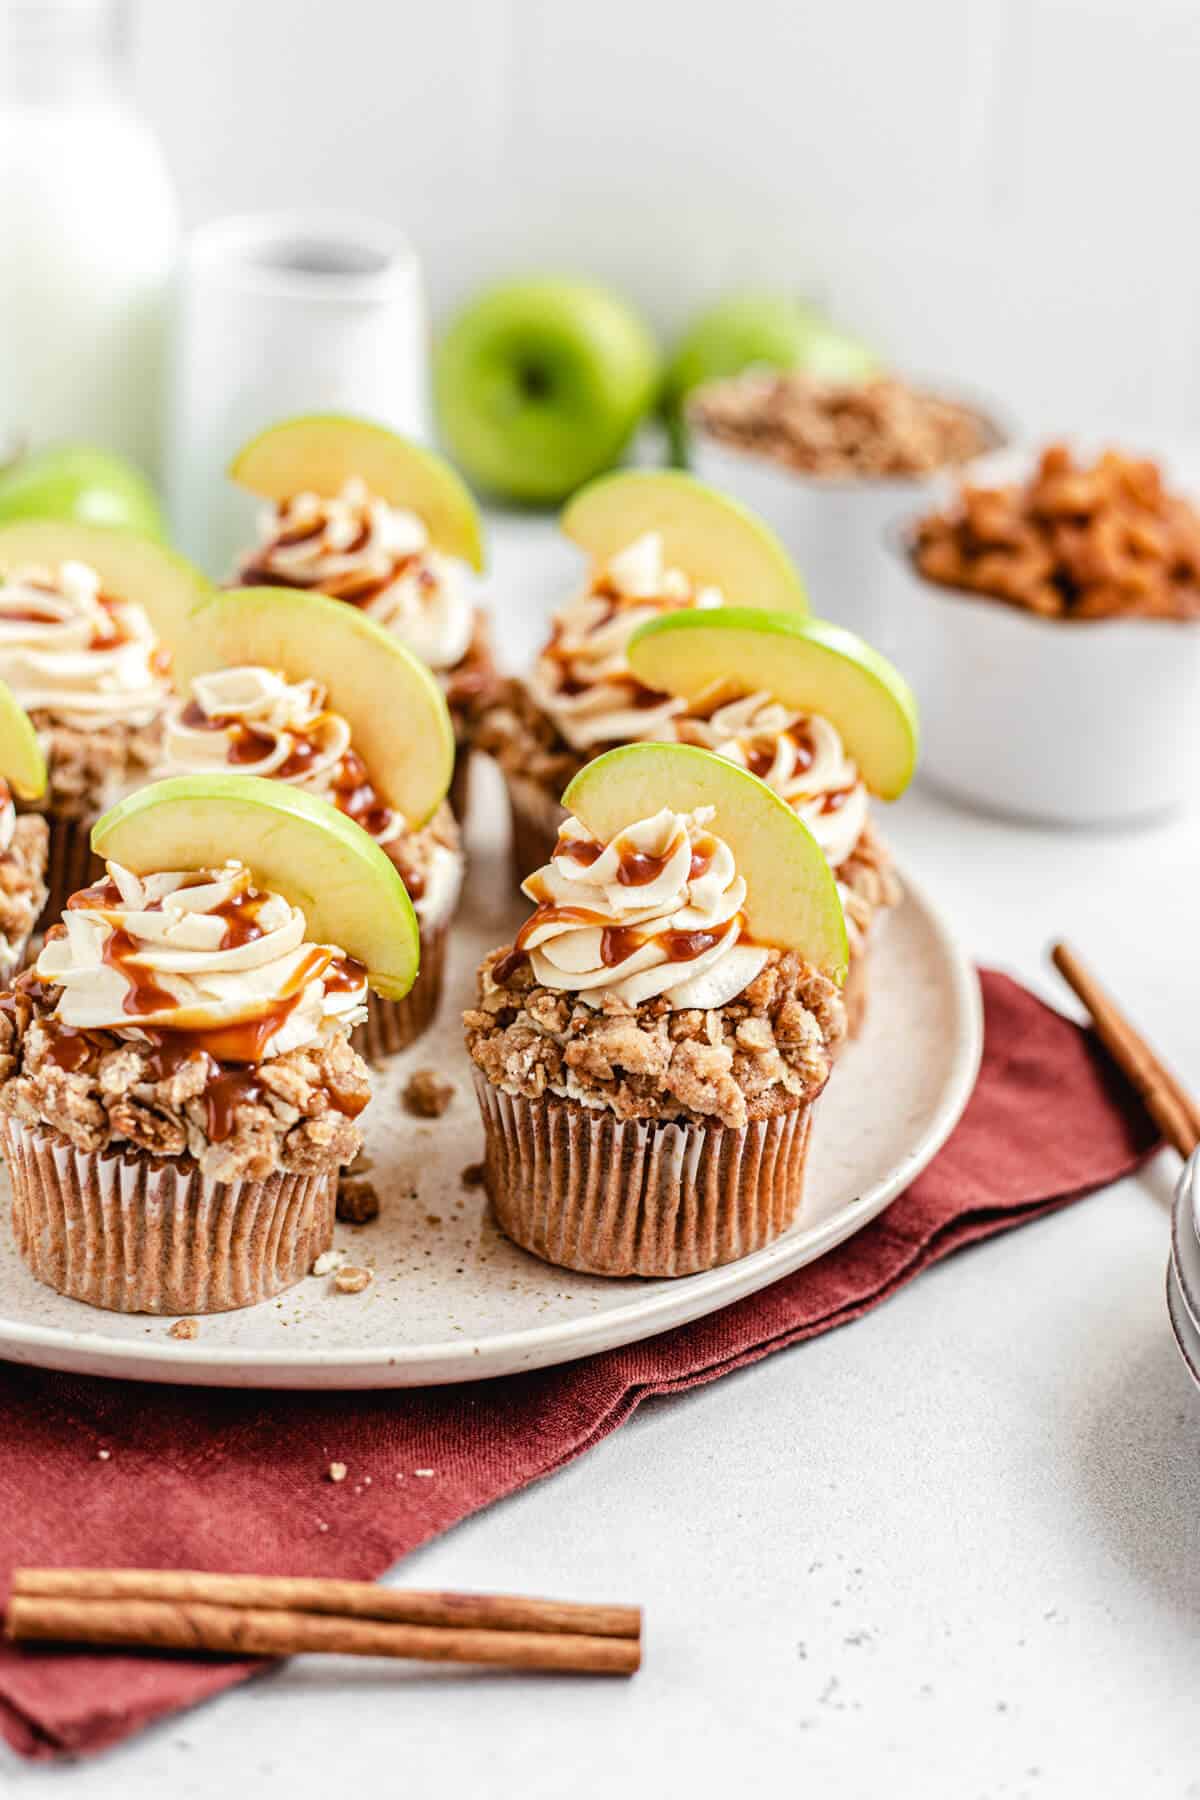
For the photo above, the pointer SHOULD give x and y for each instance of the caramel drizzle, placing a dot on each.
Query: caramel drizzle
(570, 684)
(357, 587)
(244, 1040)
(353, 791)
(635, 868)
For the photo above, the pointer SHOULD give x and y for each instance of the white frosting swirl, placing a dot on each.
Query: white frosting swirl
(172, 945)
(88, 659)
(8, 817)
(580, 900)
(263, 724)
(800, 755)
(356, 547)
(260, 722)
(583, 679)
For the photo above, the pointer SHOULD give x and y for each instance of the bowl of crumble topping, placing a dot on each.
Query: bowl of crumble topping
(832, 467)
(1053, 614)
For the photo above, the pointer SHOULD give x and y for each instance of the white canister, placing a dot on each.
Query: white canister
(88, 229)
(280, 314)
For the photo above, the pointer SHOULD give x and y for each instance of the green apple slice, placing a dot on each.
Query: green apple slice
(21, 761)
(716, 541)
(398, 719)
(130, 567)
(807, 664)
(350, 893)
(319, 453)
(792, 902)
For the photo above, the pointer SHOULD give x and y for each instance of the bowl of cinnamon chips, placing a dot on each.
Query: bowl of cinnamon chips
(1053, 614)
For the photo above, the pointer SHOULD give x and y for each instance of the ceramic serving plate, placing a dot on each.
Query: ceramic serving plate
(452, 1299)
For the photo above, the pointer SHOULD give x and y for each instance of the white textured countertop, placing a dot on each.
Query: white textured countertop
(952, 1549)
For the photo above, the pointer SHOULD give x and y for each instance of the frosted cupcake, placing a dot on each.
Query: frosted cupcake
(659, 544)
(360, 514)
(87, 619)
(177, 1086)
(816, 713)
(371, 736)
(22, 840)
(650, 1049)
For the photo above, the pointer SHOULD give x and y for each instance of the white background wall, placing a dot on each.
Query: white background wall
(993, 191)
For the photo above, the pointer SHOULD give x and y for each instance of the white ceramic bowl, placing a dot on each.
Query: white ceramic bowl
(836, 531)
(1087, 722)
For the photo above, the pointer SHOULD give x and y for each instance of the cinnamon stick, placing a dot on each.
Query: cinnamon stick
(257, 1631)
(348, 1599)
(1168, 1102)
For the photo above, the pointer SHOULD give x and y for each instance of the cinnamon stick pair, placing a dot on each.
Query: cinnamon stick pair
(1168, 1102)
(259, 1615)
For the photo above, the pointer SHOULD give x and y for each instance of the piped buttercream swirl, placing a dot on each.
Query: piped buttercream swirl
(88, 658)
(254, 720)
(655, 911)
(583, 680)
(355, 547)
(800, 755)
(205, 955)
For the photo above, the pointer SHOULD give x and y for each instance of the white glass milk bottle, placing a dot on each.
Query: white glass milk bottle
(87, 234)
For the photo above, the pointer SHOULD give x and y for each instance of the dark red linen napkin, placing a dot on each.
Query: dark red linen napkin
(110, 1473)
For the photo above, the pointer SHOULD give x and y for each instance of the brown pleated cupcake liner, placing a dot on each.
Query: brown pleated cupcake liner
(139, 1234)
(536, 817)
(70, 866)
(392, 1025)
(459, 794)
(606, 1196)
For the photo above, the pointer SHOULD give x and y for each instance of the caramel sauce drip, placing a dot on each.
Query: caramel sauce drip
(355, 795)
(69, 1049)
(353, 791)
(835, 801)
(635, 868)
(686, 946)
(618, 942)
(571, 685)
(143, 993)
(584, 851)
(355, 587)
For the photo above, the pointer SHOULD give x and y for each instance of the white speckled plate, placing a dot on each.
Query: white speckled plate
(452, 1299)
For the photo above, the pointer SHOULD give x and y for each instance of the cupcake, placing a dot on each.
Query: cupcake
(178, 1090)
(23, 840)
(364, 516)
(816, 713)
(371, 736)
(649, 1051)
(659, 544)
(87, 619)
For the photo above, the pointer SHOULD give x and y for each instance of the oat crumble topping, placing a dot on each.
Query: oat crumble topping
(357, 1201)
(22, 883)
(768, 1049)
(841, 430)
(428, 1094)
(287, 1117)
(89, 769)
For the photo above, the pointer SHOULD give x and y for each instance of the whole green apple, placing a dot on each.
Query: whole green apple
(76, 482)
(772, 330)
(541, 383)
